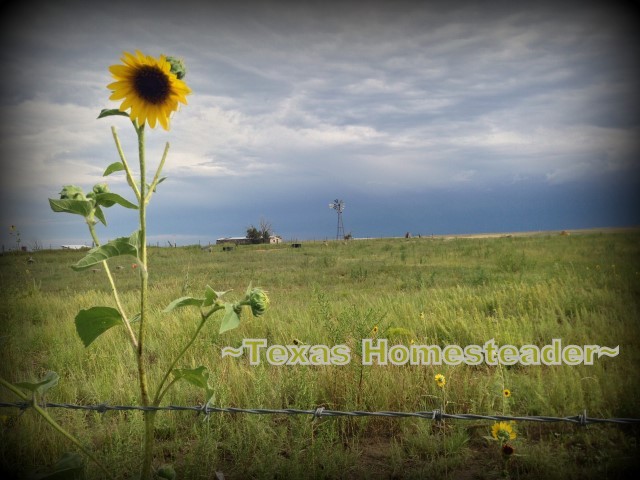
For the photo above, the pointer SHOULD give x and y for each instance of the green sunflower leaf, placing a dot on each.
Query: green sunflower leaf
(99, 214)
(155, 185)
(231, 318)
(162, 179)
(109, 199)
(114, 167)
(78, 207)
(108, 112)
(184, 302)
(119, 246)
(49, 381)
(92, 323)
(106, 202)
(211, 296)
(198, 376)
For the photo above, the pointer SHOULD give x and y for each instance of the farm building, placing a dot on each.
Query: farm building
(234, 240)
(245, 240)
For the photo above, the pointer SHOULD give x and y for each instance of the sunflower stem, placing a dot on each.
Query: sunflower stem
(149, 416)
(160, 393)
(156, 178)
(114, 289)
(130, 180)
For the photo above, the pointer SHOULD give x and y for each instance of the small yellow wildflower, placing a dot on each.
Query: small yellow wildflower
(503, 431)
(506, 393)
(440, 380)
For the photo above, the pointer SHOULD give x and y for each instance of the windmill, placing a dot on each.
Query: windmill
(338, 206)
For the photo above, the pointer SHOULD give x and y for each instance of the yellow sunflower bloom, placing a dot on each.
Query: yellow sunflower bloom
(506, 392)
(440, 380)
(503, 431)
(147, 86)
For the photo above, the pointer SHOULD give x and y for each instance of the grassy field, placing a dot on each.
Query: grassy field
(583, 289)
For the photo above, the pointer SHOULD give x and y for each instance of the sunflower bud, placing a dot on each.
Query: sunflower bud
(166, 472)
(100, 188)
(258, 301)
(177, 67)
(71, 192)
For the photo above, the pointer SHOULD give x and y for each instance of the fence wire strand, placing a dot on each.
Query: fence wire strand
(437, 415)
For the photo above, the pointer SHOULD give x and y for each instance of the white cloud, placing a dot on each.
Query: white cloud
(388, 96)
(47, 141)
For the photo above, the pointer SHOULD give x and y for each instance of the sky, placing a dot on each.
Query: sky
(423, 117)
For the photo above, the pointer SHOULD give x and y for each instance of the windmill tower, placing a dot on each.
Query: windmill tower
(338, 206)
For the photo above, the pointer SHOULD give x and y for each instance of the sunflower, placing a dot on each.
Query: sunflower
(503, 431)
(506, 393)
(148, 87)
(440, 380)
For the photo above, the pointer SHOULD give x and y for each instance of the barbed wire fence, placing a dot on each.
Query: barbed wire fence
(320, 412)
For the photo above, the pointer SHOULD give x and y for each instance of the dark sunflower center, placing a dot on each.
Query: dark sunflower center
(151, 84)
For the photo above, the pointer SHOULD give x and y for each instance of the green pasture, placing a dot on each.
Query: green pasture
(581, 288)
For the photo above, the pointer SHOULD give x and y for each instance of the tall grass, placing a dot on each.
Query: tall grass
(583, 289)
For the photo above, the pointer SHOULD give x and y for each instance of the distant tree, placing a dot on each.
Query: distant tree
(36, 246)
(266, 230)
(260, 234)
(254, 235)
